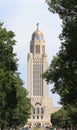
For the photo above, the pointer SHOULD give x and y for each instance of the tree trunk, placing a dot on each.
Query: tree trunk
(9, 128)
(2, 127)
(75, 127)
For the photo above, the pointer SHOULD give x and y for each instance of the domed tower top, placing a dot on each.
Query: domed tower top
(37, 44)
(37, 35)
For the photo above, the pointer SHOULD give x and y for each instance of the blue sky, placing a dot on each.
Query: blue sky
(21, 17)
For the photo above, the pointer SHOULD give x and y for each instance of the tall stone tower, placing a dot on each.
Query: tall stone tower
(37, 87)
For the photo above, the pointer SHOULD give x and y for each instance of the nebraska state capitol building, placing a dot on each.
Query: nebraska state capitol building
(37, 61)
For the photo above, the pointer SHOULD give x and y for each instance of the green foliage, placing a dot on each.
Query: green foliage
(65, 117)
(67, 10)
(14, 104)
(63, 69)
(61, 118)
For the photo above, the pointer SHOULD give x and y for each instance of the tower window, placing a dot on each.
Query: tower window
(37, 110)
(42, 111)
(37, 48)
(37, 80)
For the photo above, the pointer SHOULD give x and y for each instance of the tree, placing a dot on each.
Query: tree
(63, 69)
(61, 119)
(65, 118)
(14, 104)
(67, 10)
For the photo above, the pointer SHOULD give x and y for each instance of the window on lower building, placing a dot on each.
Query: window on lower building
(41, 117)
(37, 117)
(42, 111)
(33, 117)
(33, 110)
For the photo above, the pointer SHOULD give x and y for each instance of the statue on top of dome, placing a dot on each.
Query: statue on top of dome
(37, 26)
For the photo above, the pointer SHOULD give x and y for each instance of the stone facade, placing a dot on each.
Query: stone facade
(37, 61)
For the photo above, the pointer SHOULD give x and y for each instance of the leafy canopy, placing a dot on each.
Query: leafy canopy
(14, 104)
(63, 69)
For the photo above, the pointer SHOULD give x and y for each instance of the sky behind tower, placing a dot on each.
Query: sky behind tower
(21, 16)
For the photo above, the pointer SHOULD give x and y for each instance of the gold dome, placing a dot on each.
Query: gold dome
(37, 35)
